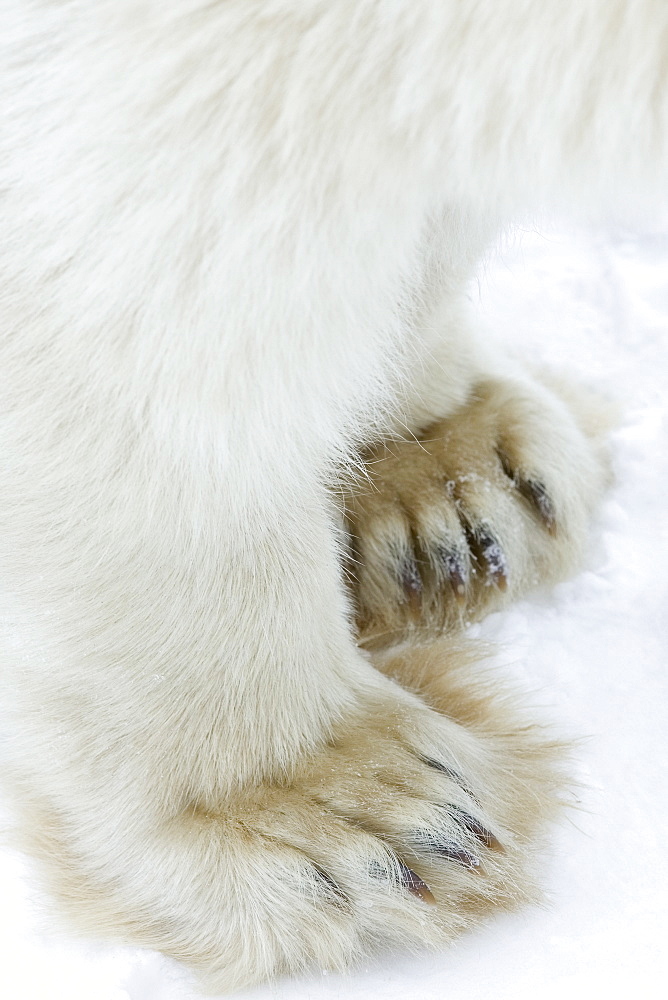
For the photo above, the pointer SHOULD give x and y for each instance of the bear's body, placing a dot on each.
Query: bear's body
(236, 241)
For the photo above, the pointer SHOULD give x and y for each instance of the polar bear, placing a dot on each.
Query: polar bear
(253, 441)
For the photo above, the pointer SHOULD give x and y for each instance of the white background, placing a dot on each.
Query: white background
(592, 654)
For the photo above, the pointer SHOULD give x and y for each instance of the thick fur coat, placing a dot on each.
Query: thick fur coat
(249, 435)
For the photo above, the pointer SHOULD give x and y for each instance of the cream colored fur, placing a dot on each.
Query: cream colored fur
(236, 240)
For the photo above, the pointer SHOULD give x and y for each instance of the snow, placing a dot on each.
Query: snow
(592, 652)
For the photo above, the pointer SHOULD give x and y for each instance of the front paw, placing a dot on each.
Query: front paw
(478, 509)
(402, 831)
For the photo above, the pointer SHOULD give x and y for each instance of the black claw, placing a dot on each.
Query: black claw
(455, 568)
(536, 493)
(492, 556)
(409, 879)
(411, 582)
(533, 491)
(450, 850)
(484, 835)
(415, 885)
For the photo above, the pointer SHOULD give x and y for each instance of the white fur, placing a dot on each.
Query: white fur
(236, 238)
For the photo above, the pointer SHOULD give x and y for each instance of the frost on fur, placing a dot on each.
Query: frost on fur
(236, 243)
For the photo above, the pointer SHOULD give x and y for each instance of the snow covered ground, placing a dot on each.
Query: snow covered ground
(594, 654)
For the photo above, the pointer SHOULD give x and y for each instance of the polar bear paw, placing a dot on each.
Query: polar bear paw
(476, 510)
